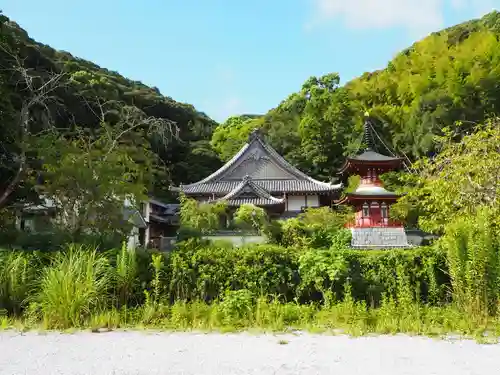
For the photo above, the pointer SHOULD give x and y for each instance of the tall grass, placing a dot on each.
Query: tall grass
(17, 274)
(473, 253)
(72, 288)
(126, 272)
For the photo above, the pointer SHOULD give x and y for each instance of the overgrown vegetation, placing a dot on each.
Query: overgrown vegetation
(88, 139)
(200, 286)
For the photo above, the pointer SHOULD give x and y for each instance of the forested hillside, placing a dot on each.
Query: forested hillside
(83, 94)
(449, 79)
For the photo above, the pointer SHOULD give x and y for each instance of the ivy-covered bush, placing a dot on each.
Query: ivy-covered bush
(207, 272)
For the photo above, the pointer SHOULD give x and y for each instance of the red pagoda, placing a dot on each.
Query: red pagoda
(372, 227)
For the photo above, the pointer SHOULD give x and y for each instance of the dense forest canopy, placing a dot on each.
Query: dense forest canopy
(449, 79)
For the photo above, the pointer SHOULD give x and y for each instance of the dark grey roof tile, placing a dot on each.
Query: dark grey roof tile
(272, 186)
(255, 201)
(370, 155)
(269, 169)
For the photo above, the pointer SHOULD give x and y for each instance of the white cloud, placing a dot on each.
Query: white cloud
(420, 16)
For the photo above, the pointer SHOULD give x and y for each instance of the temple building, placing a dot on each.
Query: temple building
(258, 175)
(372, 227)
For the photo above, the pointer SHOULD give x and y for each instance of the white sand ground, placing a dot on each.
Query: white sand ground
(138, 353)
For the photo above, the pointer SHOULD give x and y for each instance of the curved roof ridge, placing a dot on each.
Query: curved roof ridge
(222, 169)
(285, 164)
(274, 155)
(259, 190)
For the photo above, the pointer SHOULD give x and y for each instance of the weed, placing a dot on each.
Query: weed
(72, 288)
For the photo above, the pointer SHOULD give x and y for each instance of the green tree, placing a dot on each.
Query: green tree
(459, 180)
(326, 123)
(89, 178)
(203, 217)
(228, 137)
(249, 216)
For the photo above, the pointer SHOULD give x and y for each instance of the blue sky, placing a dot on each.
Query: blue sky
(230, 57)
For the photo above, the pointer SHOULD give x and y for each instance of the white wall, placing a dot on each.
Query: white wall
(312, 201)
(133, 239)
(146, 213)
(296, 202)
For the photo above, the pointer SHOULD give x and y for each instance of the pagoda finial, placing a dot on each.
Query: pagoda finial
(367, 135)
(255, 134)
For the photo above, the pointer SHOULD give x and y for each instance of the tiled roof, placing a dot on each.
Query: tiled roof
(370, 155)
(134, 217)
(255, 201)
(249, 192)
(267, 168)
(273, 186)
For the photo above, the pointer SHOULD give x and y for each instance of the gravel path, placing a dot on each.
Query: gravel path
(134, 353)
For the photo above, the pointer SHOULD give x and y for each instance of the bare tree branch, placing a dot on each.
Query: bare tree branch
(34, 96)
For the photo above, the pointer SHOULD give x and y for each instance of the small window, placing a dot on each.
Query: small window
(366, 210)
(383, 211)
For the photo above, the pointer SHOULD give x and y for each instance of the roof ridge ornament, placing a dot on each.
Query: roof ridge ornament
(367, 134)
(255, 134)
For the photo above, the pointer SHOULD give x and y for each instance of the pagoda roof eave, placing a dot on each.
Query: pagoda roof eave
(372, 197)
(351, 162)
(351, 197)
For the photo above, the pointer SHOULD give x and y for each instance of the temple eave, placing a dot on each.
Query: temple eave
(259, 202)
(272, 186)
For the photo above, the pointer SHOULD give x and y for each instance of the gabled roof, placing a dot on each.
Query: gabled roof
(265, 166)
(369, 155)
(248, 192)
(133, 216)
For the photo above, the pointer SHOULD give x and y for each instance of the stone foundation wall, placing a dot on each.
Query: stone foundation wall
(379, 237)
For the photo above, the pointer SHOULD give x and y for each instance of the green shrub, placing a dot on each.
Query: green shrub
(18, 271)
(206, 272)
(237, 306)
(55, 240)
(472, 245)
(74, 286)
